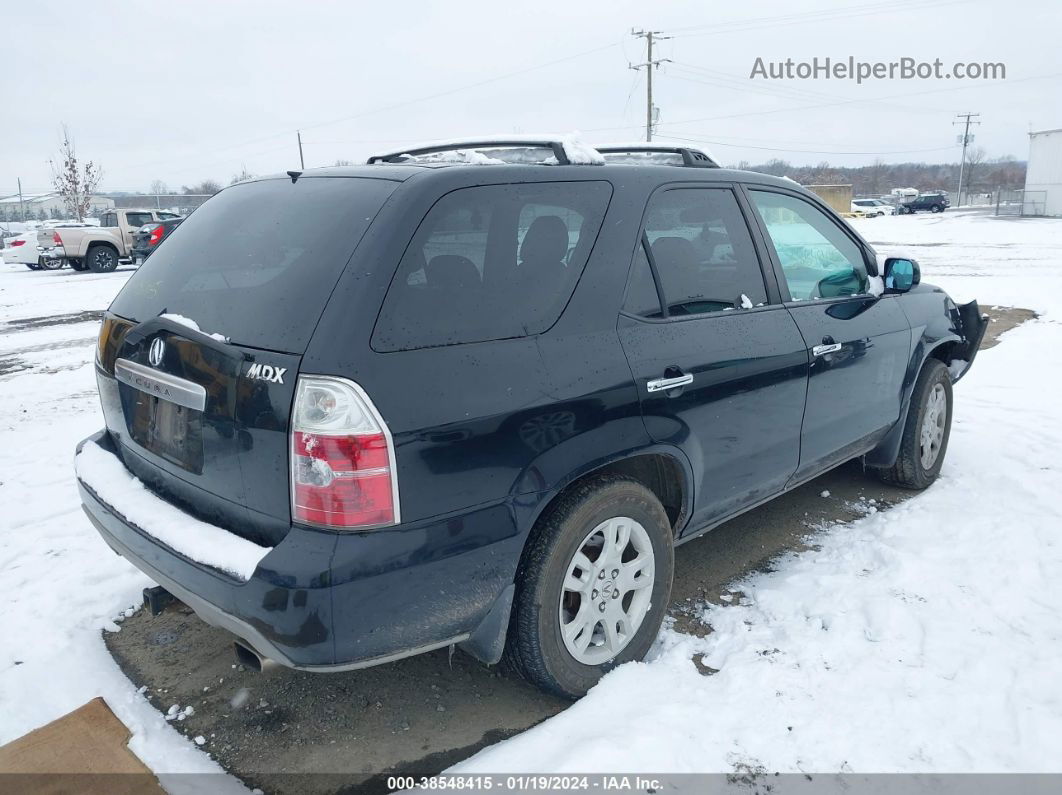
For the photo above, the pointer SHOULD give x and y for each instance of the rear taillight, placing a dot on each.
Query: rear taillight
(56, 239)
(17, 243)
(156, 236)
(342, 458)
(112, 332)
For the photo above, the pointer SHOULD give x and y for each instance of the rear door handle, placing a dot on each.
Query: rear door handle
(664, 384)
(822, 350)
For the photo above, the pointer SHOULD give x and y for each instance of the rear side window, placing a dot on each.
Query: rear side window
(109, 220)
(258, 261)
(138, 219)
(703, 255)
(491, 262)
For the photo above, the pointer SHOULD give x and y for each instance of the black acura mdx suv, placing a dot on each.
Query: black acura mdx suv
(476, 395)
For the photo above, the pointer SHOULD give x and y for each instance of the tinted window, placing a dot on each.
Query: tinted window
(136, 220)
(258, 261)
(703, 252)
(642, 298)
(491, 262)
(109, 219)
(818, 259)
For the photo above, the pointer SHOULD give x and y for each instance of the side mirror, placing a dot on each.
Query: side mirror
(901, 274)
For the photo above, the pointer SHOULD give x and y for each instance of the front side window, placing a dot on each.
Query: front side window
(818, 259)
(703, 254)
(491, 262)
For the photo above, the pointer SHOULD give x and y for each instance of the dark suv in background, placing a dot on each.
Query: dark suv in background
(477, 394)
(934, 202)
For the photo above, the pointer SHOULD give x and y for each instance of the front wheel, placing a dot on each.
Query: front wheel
(593, 586)
(926, 431)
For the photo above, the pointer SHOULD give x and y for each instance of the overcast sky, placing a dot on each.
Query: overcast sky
(186, 91)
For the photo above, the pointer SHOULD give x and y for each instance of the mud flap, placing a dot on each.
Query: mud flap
(974, 325)
(487, 642)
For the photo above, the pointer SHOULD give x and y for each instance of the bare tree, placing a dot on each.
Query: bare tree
(875, 177)
(243, 175)
(158, 187)
(975, 160)
(207, 187)
(75, 184)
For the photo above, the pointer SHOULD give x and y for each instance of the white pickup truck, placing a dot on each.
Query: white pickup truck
(99, 248)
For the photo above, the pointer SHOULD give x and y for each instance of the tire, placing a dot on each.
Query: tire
(937, 208)
(914, 467)
(33, 266)
(49, 264)
(601, 507)
(77, 264)
(101, 259)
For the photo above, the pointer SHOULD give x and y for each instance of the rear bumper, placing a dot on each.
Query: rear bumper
(325, 602)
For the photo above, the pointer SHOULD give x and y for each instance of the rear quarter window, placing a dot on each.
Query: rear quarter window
(491, 262)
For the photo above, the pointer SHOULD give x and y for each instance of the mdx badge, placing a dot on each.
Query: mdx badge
(266, 372)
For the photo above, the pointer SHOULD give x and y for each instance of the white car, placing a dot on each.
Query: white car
(871, 208)
(22, 250)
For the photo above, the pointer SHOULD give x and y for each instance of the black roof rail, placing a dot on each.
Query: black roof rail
(557, 147)
(691, 158)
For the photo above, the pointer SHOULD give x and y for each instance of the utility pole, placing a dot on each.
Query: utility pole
(302, 163)
(21, 204)
(650, 36)
(966, 139)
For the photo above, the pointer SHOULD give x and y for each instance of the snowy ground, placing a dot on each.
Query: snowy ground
(921, 638)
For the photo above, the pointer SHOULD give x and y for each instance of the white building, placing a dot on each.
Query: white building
(1043, 179)
(50, 203)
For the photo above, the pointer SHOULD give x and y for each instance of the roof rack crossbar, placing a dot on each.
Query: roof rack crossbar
(557, 147)
(691, 158)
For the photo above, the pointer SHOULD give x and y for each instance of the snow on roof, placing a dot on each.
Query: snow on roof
(577, 152)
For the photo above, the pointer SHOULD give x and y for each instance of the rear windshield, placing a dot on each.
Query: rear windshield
(258, 261)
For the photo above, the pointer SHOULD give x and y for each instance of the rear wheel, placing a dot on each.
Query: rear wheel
(33, 266)
(50, 264)
(77, 264)
(937, 208)
(926, 432)
(593, 586)
(102, 259)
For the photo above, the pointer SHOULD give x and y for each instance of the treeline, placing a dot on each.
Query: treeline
(982, 175)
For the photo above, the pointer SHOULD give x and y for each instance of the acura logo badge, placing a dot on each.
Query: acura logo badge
(156, 352)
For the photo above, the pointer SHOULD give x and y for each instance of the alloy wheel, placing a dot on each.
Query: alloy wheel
(607, 590)
(931, 437)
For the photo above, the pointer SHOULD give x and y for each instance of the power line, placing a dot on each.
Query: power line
(758, 23)
(847, 101)
(804, 151)
(396, 105)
